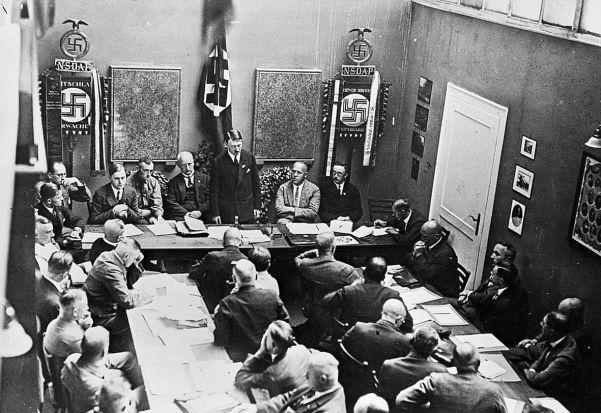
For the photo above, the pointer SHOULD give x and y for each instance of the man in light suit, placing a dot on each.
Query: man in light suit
(235, 189)
(297, 200)
(115, 199)
(188, 192)
(340, 199)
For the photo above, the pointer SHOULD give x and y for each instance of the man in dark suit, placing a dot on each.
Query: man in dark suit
(379, 341)
(340, 199)
(72, 188)
(399, 373)
(298, 199)
(51, 286)
(235, 189)
(434, 262)
(405, 224)
(64, 223)
(188, 192)
(243, 317)
(115, 199)
(214, 272)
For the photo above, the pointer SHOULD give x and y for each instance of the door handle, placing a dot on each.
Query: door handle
(477, 221)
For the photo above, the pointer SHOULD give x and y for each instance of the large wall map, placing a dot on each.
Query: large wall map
(146, 107)
(586, 224)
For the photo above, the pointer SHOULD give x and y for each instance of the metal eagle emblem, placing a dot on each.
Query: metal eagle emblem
(74, 43)
(360, 49)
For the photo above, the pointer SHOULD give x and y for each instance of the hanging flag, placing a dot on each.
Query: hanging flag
(97, 161)
(215, 95)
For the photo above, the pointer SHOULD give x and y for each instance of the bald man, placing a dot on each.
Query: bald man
(463, 392)
(433, 261)
(322, 394)
(242, 317)
(188, 192)
(298, 199)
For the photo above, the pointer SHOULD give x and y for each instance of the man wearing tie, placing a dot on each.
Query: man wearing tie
(235, 189)
(340, 199)
(188, 192)
(115, 199)
(405, 224)
(298, 199)
(65, 224)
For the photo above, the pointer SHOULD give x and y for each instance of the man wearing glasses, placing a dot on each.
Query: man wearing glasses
(73, 189)
(340, 200)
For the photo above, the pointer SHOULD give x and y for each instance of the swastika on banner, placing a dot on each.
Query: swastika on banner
(75, 105)
(354, 110)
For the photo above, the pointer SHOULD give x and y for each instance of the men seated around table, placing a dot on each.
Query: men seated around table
(108, 294)
(45, 246)
(371, 403)
(553, 365)
(84, 373)
(382, 340)
(501, 308)
(73, 189)
(364, 301)
(115, 199)
(340, 199)
(55, 280)
(405, 223)
(214, 273)
(433, 261)
(278, 366)
(187, 192)
(261, 258)
(64, 333)
(243, 317)
(463, 392)
(320, 274)
(66, 225)
(321, 394)
(148, 190)
(235, 189)
(399, 373)
(298, 199)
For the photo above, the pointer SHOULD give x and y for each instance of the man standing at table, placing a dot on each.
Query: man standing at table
(235, 189)
(298, 199)
(340, 199)
(405, 224)
(188, 192)
(148, 189)
(115, 199)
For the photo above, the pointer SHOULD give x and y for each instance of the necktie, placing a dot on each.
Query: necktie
(236, 161)
(340, 189)
(296, 196)
(118, 195)
(188, 181)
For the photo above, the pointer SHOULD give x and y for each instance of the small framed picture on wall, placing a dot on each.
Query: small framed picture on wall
(528, 148)
(522, 181)
(516, 216)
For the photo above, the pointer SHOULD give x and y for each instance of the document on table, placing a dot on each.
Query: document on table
(167, 379)
(363, 231)
(514, 406)
(220, 402)
(213, 375)
(161, 227)
(378, 232)
(418, 296)
(90, 237)
(445, 315)
(297, 228)
(194, 224)
(252, 236)
(155, 281)
(217, 231)
(188, 336)
(490, 370)
(486, 342)
(550, 403)
(345, 240)
(130, 230)
(419, 316)
(509, 375)
(345, 227)
(161, 354)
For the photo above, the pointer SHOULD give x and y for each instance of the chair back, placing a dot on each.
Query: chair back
(379, 208)
(356, 376)
(463, 276)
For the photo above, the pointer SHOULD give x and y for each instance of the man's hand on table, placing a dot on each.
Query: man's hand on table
(379, 223)
(463, 296)
(194, 214)
(527, 343)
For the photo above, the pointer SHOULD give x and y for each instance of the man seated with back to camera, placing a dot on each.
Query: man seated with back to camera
(261, 258)
(115, 199)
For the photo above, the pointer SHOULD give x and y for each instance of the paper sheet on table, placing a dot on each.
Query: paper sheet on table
(217, 231)
(345, 240)
(509, 375)
(154, 281)
(220, 402)
(419, 316)
(187, 337)
(345, 227)
(550, 403)
(378, 232)
(305, 228)
(90, 237)
(164, 355)
(486, 342)
(363, 231)
(254, 235)
(194, 224)
(514, 406)
(130, 230)
(445, 315)
(490, 370)
(213, 375)
(418, 296)
(161, 228)
(167, 379)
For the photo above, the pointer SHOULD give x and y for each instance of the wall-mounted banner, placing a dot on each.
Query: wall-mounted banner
(76, 105)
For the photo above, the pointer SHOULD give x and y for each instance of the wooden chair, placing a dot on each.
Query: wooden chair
(463, 276)
(379, 208)
(357, 377)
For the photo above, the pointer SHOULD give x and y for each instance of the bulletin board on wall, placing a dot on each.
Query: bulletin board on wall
(287, 114)
(146, 112)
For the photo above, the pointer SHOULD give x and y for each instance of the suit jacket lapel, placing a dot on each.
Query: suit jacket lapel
(240, 171)
(110, 196)
(181, 186)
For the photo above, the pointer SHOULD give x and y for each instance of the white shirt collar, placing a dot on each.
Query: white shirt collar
(406, 220)
(300, 187)
(500, 291)
(435, 244)
(114, 244)
(51, 210)
(233, 157)
(340, 185)
(556, 342)
(115, 191)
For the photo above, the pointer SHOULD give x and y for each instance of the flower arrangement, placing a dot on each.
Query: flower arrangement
(271, 179)
(203, 159)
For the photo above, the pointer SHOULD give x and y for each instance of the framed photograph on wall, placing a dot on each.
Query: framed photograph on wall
(424, 93)
(585, 228)
(421, 117)
(417, 144)
(528, 148)
(522, 181)
(516, 216)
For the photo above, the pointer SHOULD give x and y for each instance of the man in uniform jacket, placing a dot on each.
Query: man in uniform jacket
(188, 192)
(298, 199)
(235, 189)
(340, 199)
(115, 199)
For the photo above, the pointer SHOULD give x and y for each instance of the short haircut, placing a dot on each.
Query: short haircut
(375, 269)
(52, 166)
(511, 251)
(233, 135)
(71, 296)
(60, 262)
(558, 322)
(145, 159)
(339, 163)
(94, 341)
(325, 241)
(506, 271)
(401, 204)
(261, 257)
(232, 236)
(115, 395)
(425, 340)
(115, 167)
(466, 357)
(49, 191)
(132, 243)
(41, 220)
(281, 334)
(371, 403)
(245, 272)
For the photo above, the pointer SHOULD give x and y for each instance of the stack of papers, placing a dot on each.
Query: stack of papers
(252, 236)
(418, 296)
(483, 342)
(90, 237)
(161, 227)
(346, 240)
(211, 375)
(363, 231)
(304, 228)
(509, 375)
(345, 227)
(378, 232)
(419, 316)
(445, 315)
(217, 231)
(194, 224)
(550, 403)
(130, 230)
(489, 369)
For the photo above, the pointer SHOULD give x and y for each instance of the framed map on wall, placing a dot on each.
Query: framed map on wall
(586, 216)
(287, 121)
(146, 110)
